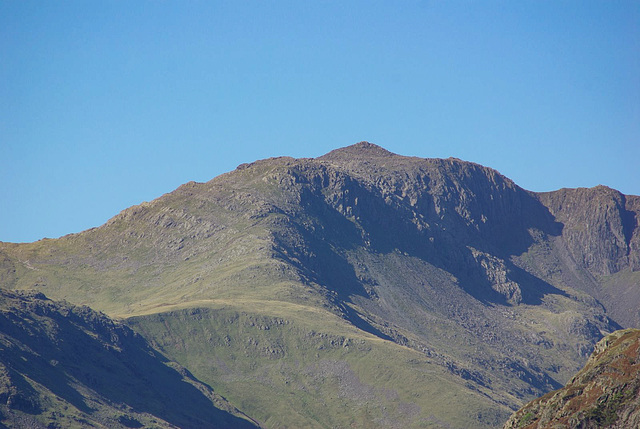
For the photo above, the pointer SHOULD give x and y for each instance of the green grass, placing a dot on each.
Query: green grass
(283, 371)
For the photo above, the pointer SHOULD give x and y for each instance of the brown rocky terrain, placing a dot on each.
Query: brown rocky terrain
(604, 394)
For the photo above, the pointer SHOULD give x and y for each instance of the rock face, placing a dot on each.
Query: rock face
(494, 294)
(604, 394)
(600, 227)
(601, 234)
(67, 366)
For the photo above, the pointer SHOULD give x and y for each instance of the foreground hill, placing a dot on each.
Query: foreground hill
(361, 287)
(603, 394)
(67, 366)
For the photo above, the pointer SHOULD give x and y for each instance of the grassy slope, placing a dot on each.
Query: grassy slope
(304, 367)
(201, 241)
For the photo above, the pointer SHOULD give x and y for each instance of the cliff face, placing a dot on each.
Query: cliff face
(600, 227)
(605, 393)
(601, 235)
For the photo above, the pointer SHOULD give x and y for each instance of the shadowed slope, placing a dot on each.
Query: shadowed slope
(64, 366)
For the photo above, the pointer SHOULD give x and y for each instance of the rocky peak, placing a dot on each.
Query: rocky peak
(361, 150)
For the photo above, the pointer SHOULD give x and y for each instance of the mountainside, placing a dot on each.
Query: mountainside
(63, 366)
(361, 287)
(603, 394)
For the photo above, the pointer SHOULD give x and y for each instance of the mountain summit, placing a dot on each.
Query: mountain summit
(359, 151)
(361, 287)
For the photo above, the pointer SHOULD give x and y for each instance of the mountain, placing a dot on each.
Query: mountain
(603, 394)
(66, 366)
(359, 288)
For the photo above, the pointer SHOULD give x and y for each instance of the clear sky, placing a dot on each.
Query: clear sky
(105, 104)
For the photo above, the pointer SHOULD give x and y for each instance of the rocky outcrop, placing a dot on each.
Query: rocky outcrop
(604, 394)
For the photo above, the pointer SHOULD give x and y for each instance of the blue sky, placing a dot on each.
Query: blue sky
(107, 104)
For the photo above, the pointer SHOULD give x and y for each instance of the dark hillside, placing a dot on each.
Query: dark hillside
(67, 366)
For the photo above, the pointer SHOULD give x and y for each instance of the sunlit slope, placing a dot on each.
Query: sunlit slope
(201, 241)
(297, 367)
